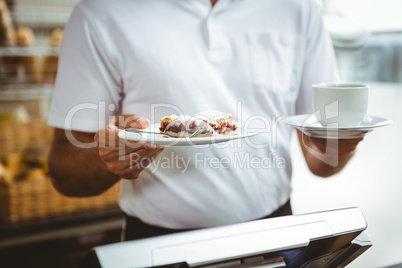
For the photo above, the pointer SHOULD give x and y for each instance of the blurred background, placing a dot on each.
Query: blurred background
(40, 228)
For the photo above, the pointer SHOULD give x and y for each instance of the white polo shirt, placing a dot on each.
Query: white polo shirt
(255, 59)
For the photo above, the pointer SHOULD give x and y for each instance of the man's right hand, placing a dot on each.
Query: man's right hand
(127, 159)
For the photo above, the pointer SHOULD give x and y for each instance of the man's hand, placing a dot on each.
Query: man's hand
(341, 148)
(92, 169)
(327, 157)
(124, 158)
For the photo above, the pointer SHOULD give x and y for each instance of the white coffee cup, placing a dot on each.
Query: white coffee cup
(340, 105)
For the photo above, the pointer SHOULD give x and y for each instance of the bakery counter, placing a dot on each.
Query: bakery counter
(60, 227)
(62, 241)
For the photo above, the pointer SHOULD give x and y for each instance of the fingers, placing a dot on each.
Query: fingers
(124, 158)
(107, 136)
(338, 146)
(132, 121)
(130, 166)
(348, 146)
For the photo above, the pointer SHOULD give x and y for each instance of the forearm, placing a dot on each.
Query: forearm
(78, 171)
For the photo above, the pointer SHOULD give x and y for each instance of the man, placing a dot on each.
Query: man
(143, 60)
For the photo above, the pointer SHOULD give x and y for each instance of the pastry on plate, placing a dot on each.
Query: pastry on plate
(209, 123)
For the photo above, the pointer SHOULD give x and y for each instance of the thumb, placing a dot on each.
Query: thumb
(132, 121)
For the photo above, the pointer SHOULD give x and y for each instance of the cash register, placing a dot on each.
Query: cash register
(322, 239)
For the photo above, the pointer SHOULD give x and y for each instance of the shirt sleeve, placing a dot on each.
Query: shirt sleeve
(319, 61)
(88, 86)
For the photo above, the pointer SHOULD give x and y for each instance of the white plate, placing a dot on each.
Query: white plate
(310, 126)
(168, 141)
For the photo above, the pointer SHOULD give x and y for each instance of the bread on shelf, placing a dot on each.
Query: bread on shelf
(51, 60)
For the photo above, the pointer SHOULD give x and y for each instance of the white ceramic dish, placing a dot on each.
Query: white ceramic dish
(159, 139)
(310, 126)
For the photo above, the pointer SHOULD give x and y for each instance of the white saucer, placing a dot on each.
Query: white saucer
(168, 141)
(311, 126)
